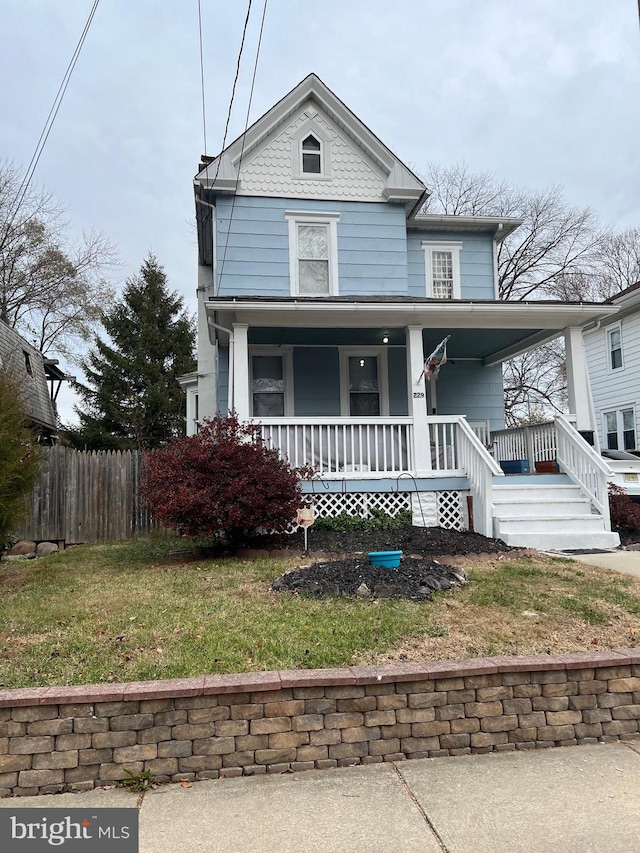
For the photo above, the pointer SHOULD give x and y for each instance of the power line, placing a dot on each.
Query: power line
(204, 116)
(244, 136)
(46, 130)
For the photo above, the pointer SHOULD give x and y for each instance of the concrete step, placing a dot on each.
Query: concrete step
(507, 508)
(560, 541)
(523, 492)
(585, 524)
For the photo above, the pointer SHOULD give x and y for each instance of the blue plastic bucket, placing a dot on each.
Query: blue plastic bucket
(387, 559)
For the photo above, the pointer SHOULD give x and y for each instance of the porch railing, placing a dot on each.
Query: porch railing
(337, 446)
(583, 465)
(480, 468)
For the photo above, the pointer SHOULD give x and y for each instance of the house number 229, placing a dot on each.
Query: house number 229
(418, 393)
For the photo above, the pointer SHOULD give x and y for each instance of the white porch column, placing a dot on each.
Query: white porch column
(241, 370)
(417, 402)
(578, 388)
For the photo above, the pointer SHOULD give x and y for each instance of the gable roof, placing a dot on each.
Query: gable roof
(31, 380)
(221, 173)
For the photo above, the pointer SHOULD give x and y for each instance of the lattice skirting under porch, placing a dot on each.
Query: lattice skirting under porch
(448, 505)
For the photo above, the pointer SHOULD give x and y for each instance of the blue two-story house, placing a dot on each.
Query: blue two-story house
(321, 291)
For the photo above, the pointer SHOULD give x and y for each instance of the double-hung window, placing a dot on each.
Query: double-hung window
(270, 383)
(442, 269)
(620, 429)
(311, 155)
(614, 342)
(313, 253)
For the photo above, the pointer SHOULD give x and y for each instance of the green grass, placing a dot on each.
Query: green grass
(129, 611)
(138, 610)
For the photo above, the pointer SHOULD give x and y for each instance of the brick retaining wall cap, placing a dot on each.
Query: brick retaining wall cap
(166, 689)
(241, 682)
(576, 660)
(317, 677)
(249, 682)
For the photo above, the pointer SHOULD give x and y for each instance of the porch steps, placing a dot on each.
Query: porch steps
(547, 514)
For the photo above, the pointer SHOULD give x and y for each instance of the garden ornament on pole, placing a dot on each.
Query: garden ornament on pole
(435, 361)
(305, 518)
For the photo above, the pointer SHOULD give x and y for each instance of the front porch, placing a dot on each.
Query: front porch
(362, 464)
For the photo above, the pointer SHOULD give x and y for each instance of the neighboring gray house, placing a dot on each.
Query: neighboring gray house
(38, 379)
(322, 289)
(612, 347)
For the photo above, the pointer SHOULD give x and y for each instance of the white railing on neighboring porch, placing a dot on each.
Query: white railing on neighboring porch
(535, 442)
(583, 465)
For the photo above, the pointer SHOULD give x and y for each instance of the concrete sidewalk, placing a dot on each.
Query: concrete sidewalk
(627, 562)
(581, 799)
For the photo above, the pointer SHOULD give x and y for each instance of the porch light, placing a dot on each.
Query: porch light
(362, 362)
(385, 339)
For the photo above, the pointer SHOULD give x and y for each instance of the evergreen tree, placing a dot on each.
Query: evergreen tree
(132, 398)
(19, 458)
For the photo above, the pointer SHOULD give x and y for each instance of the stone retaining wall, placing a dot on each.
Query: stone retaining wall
(76, 738)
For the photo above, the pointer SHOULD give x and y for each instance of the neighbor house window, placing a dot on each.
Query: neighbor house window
(442, 269)
(311, 156)
(615, 348)
(313, 254)
(620, 429)
(27, 362)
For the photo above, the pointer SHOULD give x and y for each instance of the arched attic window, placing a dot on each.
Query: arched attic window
(311, 155)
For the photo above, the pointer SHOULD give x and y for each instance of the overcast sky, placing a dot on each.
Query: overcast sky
(540, 92)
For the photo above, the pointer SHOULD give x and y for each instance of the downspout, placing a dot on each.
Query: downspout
(593, 327)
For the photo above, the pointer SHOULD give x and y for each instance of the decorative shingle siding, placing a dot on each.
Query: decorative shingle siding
(353, 174)
(77, 738)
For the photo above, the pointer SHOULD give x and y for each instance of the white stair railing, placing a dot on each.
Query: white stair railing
(480, 467)
(582, 464)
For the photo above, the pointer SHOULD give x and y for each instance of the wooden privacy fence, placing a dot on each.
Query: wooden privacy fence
(87, 496)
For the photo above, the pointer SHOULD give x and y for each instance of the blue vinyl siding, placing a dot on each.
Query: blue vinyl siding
(397, 366)
(253, 255)
(476, 262)
(468, 388)
(316, 381)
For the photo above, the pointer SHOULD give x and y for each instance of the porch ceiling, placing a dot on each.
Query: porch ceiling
(490, 331)
(469, 344)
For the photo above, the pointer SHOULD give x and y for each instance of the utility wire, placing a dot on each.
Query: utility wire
(204, 115)
(46, 130)
(244, 136)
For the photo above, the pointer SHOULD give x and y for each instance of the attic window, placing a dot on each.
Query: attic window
(311, 156)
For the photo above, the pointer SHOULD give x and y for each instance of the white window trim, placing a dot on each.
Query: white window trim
(287, 365)
(429, 248)
(615, 327)
(383, 376)
(303, 217)
(617, 411)
(311, 128)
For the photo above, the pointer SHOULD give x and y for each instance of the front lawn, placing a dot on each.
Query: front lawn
(140, 610)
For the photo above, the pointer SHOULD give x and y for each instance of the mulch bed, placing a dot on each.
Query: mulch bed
(415, 578)
(350, 574)
(422, 541)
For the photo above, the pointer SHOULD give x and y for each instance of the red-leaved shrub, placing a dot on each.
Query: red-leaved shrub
(223, 482)
(625, 514)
